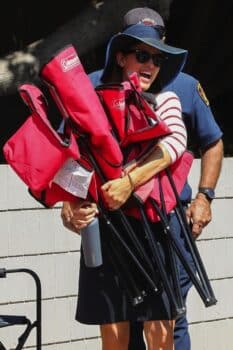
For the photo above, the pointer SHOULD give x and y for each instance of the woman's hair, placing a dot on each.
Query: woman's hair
(114, 72)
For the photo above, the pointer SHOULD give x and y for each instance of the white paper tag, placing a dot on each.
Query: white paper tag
(73, 178)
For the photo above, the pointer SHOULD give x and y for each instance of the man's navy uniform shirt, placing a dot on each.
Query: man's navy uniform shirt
(199, 120)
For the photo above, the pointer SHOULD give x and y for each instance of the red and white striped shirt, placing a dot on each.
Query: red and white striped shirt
(169, 110)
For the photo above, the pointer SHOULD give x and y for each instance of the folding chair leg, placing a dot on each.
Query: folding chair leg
(36, 324)
(205, 290)
(136, 243)
(131, 254)
(23, 337)
(127, 277)
(176, 304)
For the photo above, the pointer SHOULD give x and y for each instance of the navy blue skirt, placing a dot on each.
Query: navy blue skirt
(117, 290)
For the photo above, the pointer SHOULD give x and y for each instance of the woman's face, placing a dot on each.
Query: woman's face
(138, 59)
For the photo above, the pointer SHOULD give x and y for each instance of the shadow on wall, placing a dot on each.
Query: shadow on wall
(222, 108)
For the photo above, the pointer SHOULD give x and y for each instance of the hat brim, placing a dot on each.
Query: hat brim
(176, 57)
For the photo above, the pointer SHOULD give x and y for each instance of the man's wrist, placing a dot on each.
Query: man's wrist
(206, 192)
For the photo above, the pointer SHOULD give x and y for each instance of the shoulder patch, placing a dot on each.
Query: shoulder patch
(202, 94)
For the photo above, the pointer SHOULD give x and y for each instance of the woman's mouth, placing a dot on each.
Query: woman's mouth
(145, 76)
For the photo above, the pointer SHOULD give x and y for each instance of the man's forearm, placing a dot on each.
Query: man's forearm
(211, 163)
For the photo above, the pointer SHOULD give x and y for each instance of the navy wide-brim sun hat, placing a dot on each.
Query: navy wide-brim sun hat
(172, 65)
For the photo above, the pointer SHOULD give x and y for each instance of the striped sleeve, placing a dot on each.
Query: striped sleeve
(169, 110)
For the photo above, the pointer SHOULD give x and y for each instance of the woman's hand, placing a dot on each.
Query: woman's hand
(77, 215)
(116, 192)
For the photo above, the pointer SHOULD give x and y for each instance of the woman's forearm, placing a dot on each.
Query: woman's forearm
(156, 161)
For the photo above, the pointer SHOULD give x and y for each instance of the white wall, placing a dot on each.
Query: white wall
(33, 237)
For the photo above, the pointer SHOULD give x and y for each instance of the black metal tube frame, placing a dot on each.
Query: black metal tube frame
(202, 285)
(177, 304)
(37, 323)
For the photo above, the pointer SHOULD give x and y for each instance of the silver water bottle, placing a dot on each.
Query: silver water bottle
(91, 244)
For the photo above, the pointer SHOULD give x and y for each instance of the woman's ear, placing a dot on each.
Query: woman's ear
(120, 58)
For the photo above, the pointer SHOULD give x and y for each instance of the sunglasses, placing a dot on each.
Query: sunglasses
(143, 56)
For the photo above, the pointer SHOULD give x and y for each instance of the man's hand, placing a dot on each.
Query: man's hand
(77, 215)
(66, 215)
(199, 214)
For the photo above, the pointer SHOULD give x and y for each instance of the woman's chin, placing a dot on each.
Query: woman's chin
(145, 86)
